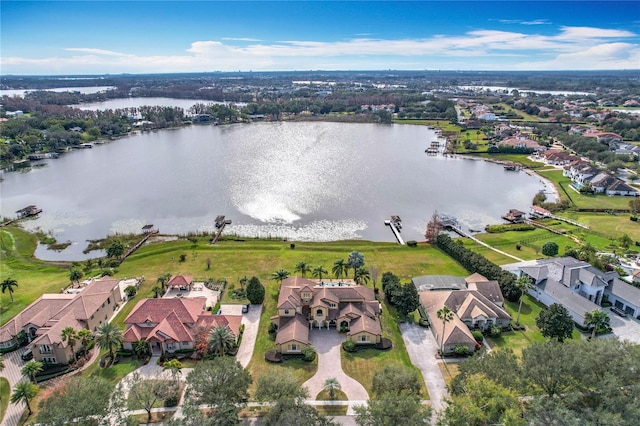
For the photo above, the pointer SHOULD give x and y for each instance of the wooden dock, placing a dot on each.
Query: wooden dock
(221, 222)
(139, 244)
(24, 213)
(396, 225)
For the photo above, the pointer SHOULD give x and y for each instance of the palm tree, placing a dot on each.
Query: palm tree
(318, 271)
(598, 319)
(109, 337)
(69, 334)
(164, 279)
(156, 290)
(24, 392)
(221, 339)
(32, 368)
(75, 275)
(331, 385)
(355, 260)
(302, 268)
(8, 285)
(85, 337)
(523, 284)
(280, 275)
(445, 315)
(340, 268)
(362, 275)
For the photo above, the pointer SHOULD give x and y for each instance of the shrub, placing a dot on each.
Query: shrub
(550, 248)
(309, 353)
(273, 328)
(461, 350)
(477, 335)
(183, 257)
(518, 247)
(495, 331)
(349, 346)
(412, 243)
(495, 229)
(423, 322)
(171, 401)
(292, 246)
(633, 218)
(255, 291)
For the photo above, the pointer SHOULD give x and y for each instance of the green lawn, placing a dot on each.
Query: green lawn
(518, 340)
(583, 201)
(515, 158)
(34, 277)
(362, 365)
(609, 226)
(5, 392)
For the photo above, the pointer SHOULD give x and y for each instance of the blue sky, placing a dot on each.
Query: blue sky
(83, 37)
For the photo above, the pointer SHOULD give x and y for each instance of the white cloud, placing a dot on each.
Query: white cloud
(570, 48)
(240, 39)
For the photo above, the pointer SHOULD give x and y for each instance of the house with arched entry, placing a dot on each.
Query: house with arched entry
(304, 304)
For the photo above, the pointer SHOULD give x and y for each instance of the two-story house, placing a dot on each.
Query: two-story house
(304, 304)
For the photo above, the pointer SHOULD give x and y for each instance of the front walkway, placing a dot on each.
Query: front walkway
(422, 349)
(12, 366)
(328, 344)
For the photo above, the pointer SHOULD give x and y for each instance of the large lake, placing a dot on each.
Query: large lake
(302, 181)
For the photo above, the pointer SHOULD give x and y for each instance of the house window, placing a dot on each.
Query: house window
(171, 346)
(332, 305)
(45, 349)
(49, 360)
(185, 343)
(319, 313)
(286, 312)
(294, 347)
(108, 301)
(364, 338)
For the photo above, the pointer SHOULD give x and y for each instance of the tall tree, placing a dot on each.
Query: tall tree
(598, 320)
(407, 299)
(70, 335)
(75, 275)
(302, 268)
(393, 409)
(295, 412)
(434, 227)
(555, 322)
(146, 392)
(221, 384)
(355, 261)
(445, 315)
(280, 275)
(255, 291)
(24, 392)
(8, 285)
(362, 275)
(85, 336)
(331, 385)
(163, 280)
(395, 378)
(31, 368)
(340, 268)
(116, 249)
(319, 271)
(280, 385)
(174, 367)
(523, 284)
(109, 337)
(82, 401)
(221, 340)
(550, 249)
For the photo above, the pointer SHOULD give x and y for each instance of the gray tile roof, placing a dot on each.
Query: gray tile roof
(439, 282)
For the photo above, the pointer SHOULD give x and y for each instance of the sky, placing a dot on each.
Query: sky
(114, 37)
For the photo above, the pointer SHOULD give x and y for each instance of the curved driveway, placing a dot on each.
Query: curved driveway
(328, 345)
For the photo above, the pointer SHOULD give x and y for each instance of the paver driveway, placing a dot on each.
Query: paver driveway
(12, 366)
(328, 345)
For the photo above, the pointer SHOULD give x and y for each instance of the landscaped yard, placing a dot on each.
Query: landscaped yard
(363, 365)
(518, 340)
(610, 226)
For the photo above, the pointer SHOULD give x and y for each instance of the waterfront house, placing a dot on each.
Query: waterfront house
(476, 302)
(42, 321)
(170, 325)
(305, 303)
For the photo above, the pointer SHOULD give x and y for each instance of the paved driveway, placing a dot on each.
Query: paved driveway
(422, 349)
(328, 345)
(12, 366)
(251, 321)
(625, 328)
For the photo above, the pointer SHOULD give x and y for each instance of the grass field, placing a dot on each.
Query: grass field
(515, 158)
(610, 226)
(34, 277)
